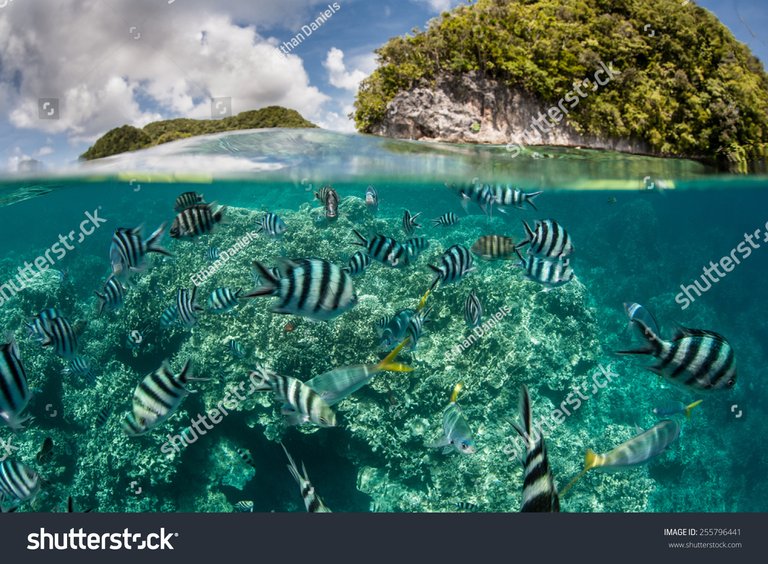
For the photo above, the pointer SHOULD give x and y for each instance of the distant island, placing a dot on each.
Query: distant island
(524, 73)
(129, 138)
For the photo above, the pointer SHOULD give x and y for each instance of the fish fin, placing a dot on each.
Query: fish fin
(644, 350)
(528, 235)
(294, 470)
(423, 300)
(270, 282)
(293, 417)
(153, 243)
(690, 408)
(529, 198)
(440, 443)
(437, 278)
(456, 390)
(388, 364)
(686, 332)
(448, 449)
(102, 302)
(590, 459)
(362, 241)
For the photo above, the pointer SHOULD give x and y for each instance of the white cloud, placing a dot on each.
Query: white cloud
(338, 75)
(108, 62)
(439, 6)
(44, 151)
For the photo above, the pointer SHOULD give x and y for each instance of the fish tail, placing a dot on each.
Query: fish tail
(456, 389)
(529, 198)
(690, 408)
(362, 241)
(423, 300)
(590, 461)
(387, 363)
(294, 470)
(153, 243)
(528, 235)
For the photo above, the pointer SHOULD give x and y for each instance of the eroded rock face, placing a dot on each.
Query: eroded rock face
(473, 109)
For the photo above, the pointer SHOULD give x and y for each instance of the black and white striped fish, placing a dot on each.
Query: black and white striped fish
(409, 222)
(494, 247)
(187, 200)
(272, 225)
(372, 199)
(539, 490)
(169, 316)
(245, 506)
(506, 196)
(384, 249)
(473, 310)
(224, 299)
(322, 194)
(392, 328)
(330, 200)
(103, 415)
(196, 220)
(416, 323)
(14, 389)
(312, 288)
(128, 251)
(481, 194)
(312, 501)
(18, 484)
(446, 220)
(549, 273)
(415, 246)
(300, 402)
(114, 293)
(186, 306)
(246, 456)
(79, 366)
(59, 334)
(455, 263)
(236, 349)
(695, 358)
(157, 397)
(212, 254)
(467, 507)
(357, 263)
(37, 324)
(548, 239)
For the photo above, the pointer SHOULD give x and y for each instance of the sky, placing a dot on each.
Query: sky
(70, 70)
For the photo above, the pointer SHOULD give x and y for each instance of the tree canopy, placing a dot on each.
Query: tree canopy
(129, 138)
(686, 87)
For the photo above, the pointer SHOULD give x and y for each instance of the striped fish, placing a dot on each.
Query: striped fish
(446, 220)
(128, 251)
(157, 397)
(467, 507)
(392, 329)
(494, 247)
(357, 263)
(18, 484)
(694, 358)
(455, 263)
(300, 402)
(409, 222)
(187, 200)
(506, 196)
(548, 240)
(330, 200)
(372, 199)
(342, 382)
(473, 310)
(384, 249)
(103, 415)
(223, 300)
(244, 507)
(212, 254)
(674, 407)
(415, 246)
(196, 220)
(186, 305)
(59, 334)
(635, 451)
(312, 288)
(79, 366)
(112, 298)
(539, 490)
(14, 389)
(456, 432)
(635, 312)
(322, 194)
(37, 324)
(549, 273)
(236, 349)
(481, 194)
(312, 501)
(131, 427)
(416, 325)
(169, 316)
(271, 225)
(246, 456)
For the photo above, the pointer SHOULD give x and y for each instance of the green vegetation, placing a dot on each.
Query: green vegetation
(686, 87)
(128, 138)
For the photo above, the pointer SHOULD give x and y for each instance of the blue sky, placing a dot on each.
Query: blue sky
(117, 62)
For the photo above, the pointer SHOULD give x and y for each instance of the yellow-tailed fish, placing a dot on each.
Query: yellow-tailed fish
(456, 431)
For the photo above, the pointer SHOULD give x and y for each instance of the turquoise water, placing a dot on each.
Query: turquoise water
(641, 228)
